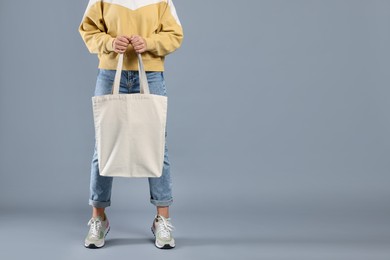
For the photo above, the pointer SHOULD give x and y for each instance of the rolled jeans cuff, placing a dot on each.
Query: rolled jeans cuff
(99, 204)
(163, 203)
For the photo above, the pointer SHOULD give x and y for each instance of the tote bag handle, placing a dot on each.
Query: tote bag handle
(143, 80)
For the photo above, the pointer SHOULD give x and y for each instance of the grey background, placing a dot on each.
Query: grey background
(277, 133)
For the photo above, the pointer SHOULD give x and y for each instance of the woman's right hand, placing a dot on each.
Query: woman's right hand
(120, 44)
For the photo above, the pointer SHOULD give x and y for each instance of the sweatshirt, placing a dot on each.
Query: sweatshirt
(154, 20)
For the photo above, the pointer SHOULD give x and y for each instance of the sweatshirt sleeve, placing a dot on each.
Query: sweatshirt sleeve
(92, 29)
(169, 35)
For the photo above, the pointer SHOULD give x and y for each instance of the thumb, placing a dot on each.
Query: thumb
(131, 38)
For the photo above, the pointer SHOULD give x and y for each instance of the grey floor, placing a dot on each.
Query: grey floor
(303, 232)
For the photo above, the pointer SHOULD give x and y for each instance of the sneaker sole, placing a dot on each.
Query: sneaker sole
(166, 246)
(93, 246)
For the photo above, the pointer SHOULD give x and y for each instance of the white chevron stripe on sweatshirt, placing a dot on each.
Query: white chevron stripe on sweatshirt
(136, 4)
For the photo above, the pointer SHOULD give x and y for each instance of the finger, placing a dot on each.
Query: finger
(137, 44)
(120, 49)
(123, 39)
(141, 41)
(140, 51)
(135, 41)
(122, 44)
(139, 47)
(131, 38)
(136, 38)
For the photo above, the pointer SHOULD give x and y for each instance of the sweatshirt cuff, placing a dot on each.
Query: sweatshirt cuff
(150, 44)
(109, 44)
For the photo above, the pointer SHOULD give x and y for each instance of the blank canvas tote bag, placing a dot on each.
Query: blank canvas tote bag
(130, 129)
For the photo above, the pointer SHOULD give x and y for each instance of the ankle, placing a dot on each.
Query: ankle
(102, 216)
(163, 211)
(98, 212)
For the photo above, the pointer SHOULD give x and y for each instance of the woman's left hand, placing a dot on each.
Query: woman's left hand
(139, 43)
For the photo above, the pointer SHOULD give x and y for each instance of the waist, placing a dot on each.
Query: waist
(109, 61)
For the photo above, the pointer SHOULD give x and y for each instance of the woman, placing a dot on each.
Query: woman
(150, 27)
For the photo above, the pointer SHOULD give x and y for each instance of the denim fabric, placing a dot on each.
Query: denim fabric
(100, 186)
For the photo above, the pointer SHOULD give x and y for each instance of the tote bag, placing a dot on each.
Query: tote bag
(130, 129)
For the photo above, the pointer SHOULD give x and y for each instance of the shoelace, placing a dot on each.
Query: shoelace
(165, 227)
(95, 224)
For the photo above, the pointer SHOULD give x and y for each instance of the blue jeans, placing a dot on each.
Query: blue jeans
(100, 186)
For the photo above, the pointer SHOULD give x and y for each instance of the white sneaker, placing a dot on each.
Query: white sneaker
(162, 230)
(98, 229)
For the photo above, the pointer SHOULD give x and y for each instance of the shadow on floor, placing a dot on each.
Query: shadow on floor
(212, 241)
(110, 242)
(240, 241)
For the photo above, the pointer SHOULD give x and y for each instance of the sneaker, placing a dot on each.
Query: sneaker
(162, 230)
(98, 229)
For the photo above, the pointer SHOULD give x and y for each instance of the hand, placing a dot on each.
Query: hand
(139, 43)
(120, 44)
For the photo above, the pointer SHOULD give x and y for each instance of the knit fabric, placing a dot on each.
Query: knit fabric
(154, 20)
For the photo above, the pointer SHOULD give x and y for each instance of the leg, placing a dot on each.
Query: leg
(161, 187)
(100, 189)
(163, 211)
(100, 193)
(98, 212)
(161, 197)
(100, 186)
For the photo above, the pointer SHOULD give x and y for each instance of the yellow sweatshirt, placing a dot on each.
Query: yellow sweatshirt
(154, 20)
